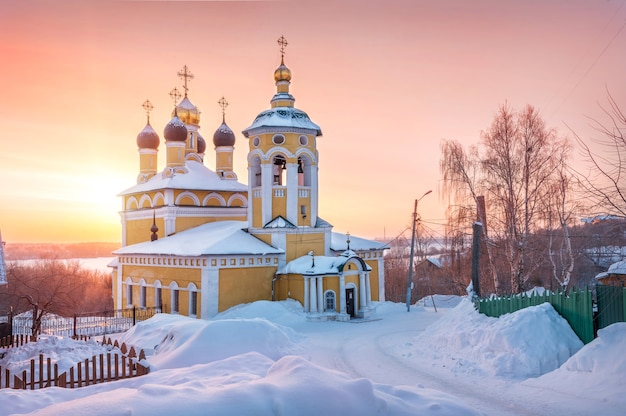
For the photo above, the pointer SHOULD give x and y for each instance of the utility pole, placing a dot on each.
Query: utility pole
(478, 229)
(410, 280)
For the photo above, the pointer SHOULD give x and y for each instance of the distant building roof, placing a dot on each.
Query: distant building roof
(615, 268)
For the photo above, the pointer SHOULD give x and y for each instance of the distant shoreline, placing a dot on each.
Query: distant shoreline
(61, 251)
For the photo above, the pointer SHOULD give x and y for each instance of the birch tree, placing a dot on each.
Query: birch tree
(514, 166)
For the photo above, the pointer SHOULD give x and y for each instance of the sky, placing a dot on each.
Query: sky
(266, 358)
(387, 81)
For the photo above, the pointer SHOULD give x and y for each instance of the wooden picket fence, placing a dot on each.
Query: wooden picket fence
(12, 341)
(99, 369)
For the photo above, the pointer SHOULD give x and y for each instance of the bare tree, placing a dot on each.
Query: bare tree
(56, 287)
(605, 181)
(514, 167)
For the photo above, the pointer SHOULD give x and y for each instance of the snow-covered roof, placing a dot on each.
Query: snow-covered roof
(615, 268)
(279, 222)
(199, 177)
(289, 117)
(311, 265)
(214, 238)
(339, 242)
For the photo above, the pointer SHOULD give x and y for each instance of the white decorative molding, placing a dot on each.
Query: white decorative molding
(187, 194)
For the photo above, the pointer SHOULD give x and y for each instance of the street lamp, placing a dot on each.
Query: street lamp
(408, 287)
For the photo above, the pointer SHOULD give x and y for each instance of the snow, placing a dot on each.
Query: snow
(265, 358)
(198, 177)
(221, 237)
(312, 265)
(287, 117)
(615, 268)
(339, 242)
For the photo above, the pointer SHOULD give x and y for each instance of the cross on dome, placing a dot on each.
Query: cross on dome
(283, 44)
(175, 95)
(186, 76)
(147, 105)
(223, 103)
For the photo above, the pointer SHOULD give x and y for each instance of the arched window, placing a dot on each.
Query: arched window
(158, 295)
(193, 299)
(279, 164)
(304, 171)
(174, 297)
(256, 171)
(142, 294)
(129, 291)
(329, 301)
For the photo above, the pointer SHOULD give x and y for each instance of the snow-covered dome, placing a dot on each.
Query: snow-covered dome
(223, 136)
(148, 138)
(285, 117)
(175, 130)
(187, 112)
(201, 143)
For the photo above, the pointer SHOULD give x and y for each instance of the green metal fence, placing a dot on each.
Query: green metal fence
(611, 305)
(576, 307)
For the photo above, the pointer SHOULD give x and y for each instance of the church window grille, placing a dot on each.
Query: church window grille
(329, 301)
(142, 297)
(158, 297)
(129, 294)
(175, 305)
(193, 303)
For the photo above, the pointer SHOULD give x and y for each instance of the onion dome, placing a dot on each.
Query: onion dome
(201, 144)
(175, 130)
(282, 73)
(187, 112)
(223, 136)
(148, 138)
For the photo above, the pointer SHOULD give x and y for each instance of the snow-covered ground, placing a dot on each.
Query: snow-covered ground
(265, 358)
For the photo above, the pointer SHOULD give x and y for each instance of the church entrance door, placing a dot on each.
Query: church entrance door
(350, 302)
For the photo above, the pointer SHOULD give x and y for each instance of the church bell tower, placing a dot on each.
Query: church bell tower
(282, 160)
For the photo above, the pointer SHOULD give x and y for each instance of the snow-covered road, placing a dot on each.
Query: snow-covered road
(379, 350)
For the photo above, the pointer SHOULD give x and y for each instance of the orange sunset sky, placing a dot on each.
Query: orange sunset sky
(385, 80)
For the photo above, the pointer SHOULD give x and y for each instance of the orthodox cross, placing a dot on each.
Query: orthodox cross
(348, 239)
(283, 44)
(147, 105)
(186, 76)
(175, 95)
(223, 103)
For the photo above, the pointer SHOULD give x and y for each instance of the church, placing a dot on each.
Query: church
(197, 241)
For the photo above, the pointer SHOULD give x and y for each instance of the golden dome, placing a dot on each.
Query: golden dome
(187, 112)
(282, 73)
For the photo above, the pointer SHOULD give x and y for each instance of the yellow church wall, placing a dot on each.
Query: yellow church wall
(138, 231)
(306, 201)
(289, 287)
(300, 244)
(185, 223)
(374, 279)
(292, 143)
(279, 206)
(244, 285)
(257, 207)
(166, 275)
(266, 238)
(332, 283)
